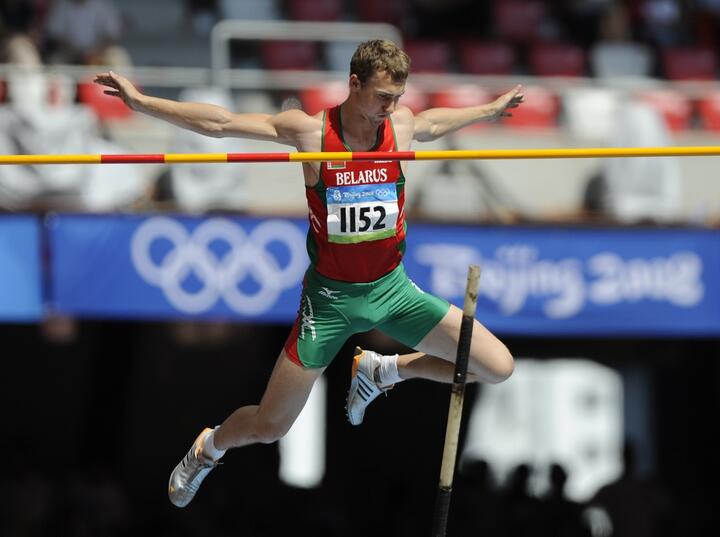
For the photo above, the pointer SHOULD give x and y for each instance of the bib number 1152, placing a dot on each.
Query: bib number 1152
(353, 219)
(361, 213)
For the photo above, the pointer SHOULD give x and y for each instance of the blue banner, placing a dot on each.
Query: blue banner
(20, 269)
(535, 281)
(542, 281)
(165, 267)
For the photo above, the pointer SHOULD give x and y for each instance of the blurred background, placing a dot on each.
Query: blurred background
(141, 303)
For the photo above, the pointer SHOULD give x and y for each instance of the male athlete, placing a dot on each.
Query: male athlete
(356, 241)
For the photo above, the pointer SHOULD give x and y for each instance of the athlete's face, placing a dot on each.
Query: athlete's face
(378, 96)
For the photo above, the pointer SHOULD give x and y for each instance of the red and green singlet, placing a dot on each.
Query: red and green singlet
(357, 217)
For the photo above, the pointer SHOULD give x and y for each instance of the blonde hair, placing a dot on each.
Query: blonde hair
(380, 55)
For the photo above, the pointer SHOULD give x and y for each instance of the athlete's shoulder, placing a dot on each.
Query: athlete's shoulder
(403, 114)
(294, 124)
(404, 125)
(297, 119)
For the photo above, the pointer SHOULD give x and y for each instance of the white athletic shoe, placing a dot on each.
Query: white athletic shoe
(190, 472)
(363, 388)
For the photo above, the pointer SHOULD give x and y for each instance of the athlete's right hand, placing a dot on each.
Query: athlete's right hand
(120, 87)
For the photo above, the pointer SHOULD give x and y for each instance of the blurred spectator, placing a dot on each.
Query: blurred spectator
(85, 32)
(21, 17)
(19, 50)
(20, 29)
(591, 113)
(580, 18)
(616, 53)
(42, 118)
(208, 187)
(633, 190)
(460, 191)
(635, 507)
(663, 22)
(71, 129)
(561, 517)
(475, 501)
(520, 510)
(201, 16)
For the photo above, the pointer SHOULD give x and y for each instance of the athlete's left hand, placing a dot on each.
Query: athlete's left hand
(512, 99)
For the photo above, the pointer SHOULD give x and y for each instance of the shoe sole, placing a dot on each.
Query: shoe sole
(196, 446)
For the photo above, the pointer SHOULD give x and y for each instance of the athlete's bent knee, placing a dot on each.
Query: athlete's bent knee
(505, 365)
(498, 368)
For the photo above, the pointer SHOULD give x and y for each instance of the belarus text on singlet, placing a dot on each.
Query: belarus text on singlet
(357, 230)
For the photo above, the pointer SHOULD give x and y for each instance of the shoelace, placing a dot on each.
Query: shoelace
(192, 474)
(192, 460)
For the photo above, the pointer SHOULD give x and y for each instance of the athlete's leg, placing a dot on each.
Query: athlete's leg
(319, 332)
(285, 396)
(489, 361)
(424, 366)
(431, 326)
(372, 374)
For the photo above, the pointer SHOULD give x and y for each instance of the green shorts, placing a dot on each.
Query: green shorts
(331, 311)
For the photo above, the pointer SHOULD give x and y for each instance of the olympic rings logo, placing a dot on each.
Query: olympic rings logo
(248, 255)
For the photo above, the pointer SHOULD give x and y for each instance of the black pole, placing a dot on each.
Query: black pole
(452, 431)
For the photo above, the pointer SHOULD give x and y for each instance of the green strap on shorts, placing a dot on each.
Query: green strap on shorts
(331, 311)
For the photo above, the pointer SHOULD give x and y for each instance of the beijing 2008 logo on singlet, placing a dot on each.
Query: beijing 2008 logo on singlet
(360, 213)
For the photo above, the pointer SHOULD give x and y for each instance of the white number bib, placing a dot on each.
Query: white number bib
(361, 213)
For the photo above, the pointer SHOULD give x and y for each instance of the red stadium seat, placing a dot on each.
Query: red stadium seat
(321, 97)
(414, 99)
(539, 109)
(709, 111)
(315, 10)
(486, 58)
(428, 56)
(380, 11)
(519, 20)
(294, 55)
(689, 63)
(461, 97)
(106, 107)
(557, 59)
(675, 107)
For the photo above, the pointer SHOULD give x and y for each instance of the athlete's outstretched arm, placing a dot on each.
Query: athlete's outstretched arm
(436, 122)
(207, 119)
